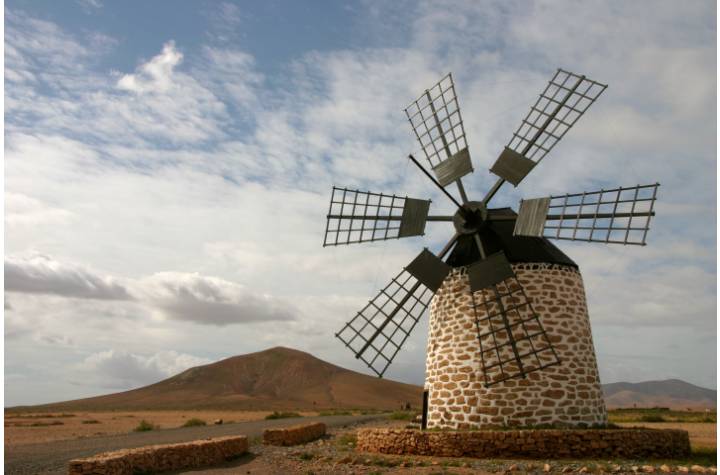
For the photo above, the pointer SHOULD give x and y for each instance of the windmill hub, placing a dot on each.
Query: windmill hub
(470, 218)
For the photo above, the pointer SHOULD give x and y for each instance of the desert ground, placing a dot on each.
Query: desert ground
(31, 428)
(332, 454)
(703, 435)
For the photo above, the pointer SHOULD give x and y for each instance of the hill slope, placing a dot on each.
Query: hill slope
(278, 378)
(672, 393)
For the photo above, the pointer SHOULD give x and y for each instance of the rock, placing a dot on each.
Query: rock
(698, 469)
(664, 468)
(682, 469)
(712, 470)
(513, 468)
(647, 469)
(218, 422)
(567, 470)
(583, 470)
(546, 467)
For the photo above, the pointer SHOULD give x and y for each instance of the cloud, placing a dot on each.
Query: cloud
(225, 20)
(23, 210)
(43, 275)
(178, 296)
(118, 369)
(216, 164)
(90, 4)
(210, 300)
(156, 74)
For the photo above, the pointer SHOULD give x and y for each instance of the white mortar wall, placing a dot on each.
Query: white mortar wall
(568, 393)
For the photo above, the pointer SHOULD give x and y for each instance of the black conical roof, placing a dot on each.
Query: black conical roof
(498, 236)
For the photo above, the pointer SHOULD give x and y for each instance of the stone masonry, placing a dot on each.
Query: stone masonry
(294, 435)
(161, 458)
(568, 393)
(544, 443)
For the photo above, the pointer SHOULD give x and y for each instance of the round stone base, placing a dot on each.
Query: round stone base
(527, 443)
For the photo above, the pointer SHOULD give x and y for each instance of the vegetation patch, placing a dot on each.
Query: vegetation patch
(281, 415)
(335, 413)
(194, 422)
(91, 421)
(652, 418)
(37, 416)
(145, 426)
(403, 415)
(46, 423)
(346, 441)
(660, 414)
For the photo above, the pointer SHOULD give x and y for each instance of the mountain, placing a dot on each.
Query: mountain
(278, 378)
(672, 393)
(283, 378)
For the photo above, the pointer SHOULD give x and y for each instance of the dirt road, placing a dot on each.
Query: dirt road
(53, 457)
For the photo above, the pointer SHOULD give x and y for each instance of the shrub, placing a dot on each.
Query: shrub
(145, 426)
(194, 422)
(307, 456)
(403, 415)
(281, 415)
(346, 441)
(91, 421)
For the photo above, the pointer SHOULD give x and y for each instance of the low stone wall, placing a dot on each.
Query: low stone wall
(294, 435)
(159, 458)
(541, 443)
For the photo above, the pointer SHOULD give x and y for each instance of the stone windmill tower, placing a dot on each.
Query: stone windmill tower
(509, 338)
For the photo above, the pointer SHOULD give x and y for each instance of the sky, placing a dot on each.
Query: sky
(168, 168)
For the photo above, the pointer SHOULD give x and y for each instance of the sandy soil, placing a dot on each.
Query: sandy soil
(702, 434)
(31, 428)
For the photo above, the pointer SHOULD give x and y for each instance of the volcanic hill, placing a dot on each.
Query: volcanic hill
(278, 378)
(670, 393)
(283, 378)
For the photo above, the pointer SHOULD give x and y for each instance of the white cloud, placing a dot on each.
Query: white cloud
(43, 275)
(207, 162)
(156, 75)
(118, 369)
(210, 300)
(180, 296)
(22, 210)
(90, 4)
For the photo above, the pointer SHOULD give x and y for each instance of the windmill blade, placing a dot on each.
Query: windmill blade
(565, 99)
(616, 216)
(435, 118)
(362, 216)
(512, 341)
(380, 329)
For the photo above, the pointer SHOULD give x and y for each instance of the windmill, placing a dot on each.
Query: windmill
(504, 302)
